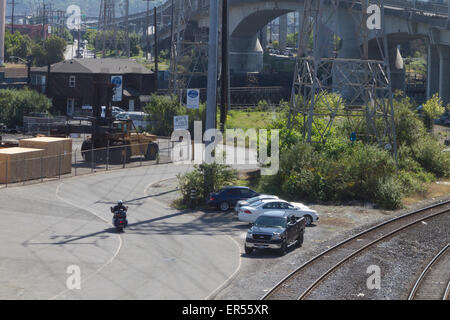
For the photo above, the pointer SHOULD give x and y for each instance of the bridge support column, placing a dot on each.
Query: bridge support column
(444, 73)
(346, 73)
(246, 55)
(282, 32)
(432, 70)
(325, 41)
(397, 68)
(263, 38)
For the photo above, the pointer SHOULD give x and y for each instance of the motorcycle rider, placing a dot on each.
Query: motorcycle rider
(120, 208)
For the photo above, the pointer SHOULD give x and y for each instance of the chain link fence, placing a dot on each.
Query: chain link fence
(25, 170)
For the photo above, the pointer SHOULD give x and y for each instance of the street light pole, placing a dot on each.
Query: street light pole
(211, 103)
(146, 29)
(156, 48)
(225, 69)
(12, 16)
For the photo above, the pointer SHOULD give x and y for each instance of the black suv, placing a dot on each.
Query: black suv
(275, 230)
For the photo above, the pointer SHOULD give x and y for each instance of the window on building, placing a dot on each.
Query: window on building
(72, 81)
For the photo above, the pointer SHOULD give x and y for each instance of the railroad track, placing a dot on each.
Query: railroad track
(434, 282)
(302, 281)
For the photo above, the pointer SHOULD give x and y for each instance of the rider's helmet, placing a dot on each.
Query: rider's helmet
(120, 202)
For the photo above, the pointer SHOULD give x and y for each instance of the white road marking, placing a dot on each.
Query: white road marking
(228, 280)
(91, 211)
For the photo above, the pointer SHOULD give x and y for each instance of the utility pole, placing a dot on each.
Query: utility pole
(12, 16)
(146, 29)
(79, 40)
(212, 65)
(43, 21)
(127, 28)
(156, 48)
(225, 69)
(2, 30)
(172, 54)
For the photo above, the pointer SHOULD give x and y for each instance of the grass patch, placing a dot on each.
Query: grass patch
(433, 190)
(248, 119)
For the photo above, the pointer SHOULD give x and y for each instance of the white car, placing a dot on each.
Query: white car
(250, 201)
(139, 119)
(252, 212)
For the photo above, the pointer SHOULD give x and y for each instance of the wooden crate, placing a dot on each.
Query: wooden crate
(20, 164)
(57, 153)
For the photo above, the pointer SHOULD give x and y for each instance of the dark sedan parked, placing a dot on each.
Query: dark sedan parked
(229, 196)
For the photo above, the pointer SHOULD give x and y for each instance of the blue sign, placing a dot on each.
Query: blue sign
(193, 98)
(193, 94)
(117, 81)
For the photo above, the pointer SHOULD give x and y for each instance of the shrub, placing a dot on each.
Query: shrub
(188, 181)
(216, 176)
(428, 152)
(308, 174)
(414, 182)
(408, 126)
(367, 164)
(162, 109)
(340, 170)
(205, 178)
(305, 184)
(263, 105)
(388, 194)
(433, 108)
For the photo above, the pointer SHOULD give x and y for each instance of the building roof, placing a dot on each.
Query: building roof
(96, 66)
(14, 70)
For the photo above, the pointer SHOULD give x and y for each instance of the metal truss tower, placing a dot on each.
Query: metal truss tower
(106, 23)
(188, 54)
(327, 77)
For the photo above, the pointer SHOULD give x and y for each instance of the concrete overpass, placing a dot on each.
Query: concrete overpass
(404, 21)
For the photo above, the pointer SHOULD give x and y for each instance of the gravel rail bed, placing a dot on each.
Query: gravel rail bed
(306, 277)
(435, 279)
(400, 260)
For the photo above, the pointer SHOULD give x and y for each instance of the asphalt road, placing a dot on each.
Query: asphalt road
(48, 227)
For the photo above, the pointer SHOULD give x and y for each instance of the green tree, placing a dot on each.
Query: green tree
(39, 55)
(408, 126)
(162, 109)
(66, 35)
(18, 103)
(292, 39)
(90, 35)
(433, 108)
(17, 45)
(205, 178)
(50, 51)
(134, 44)
(55, 47)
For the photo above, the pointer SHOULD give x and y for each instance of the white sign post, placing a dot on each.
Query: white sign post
(117, 81)
(193, 98)
(180, 122)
